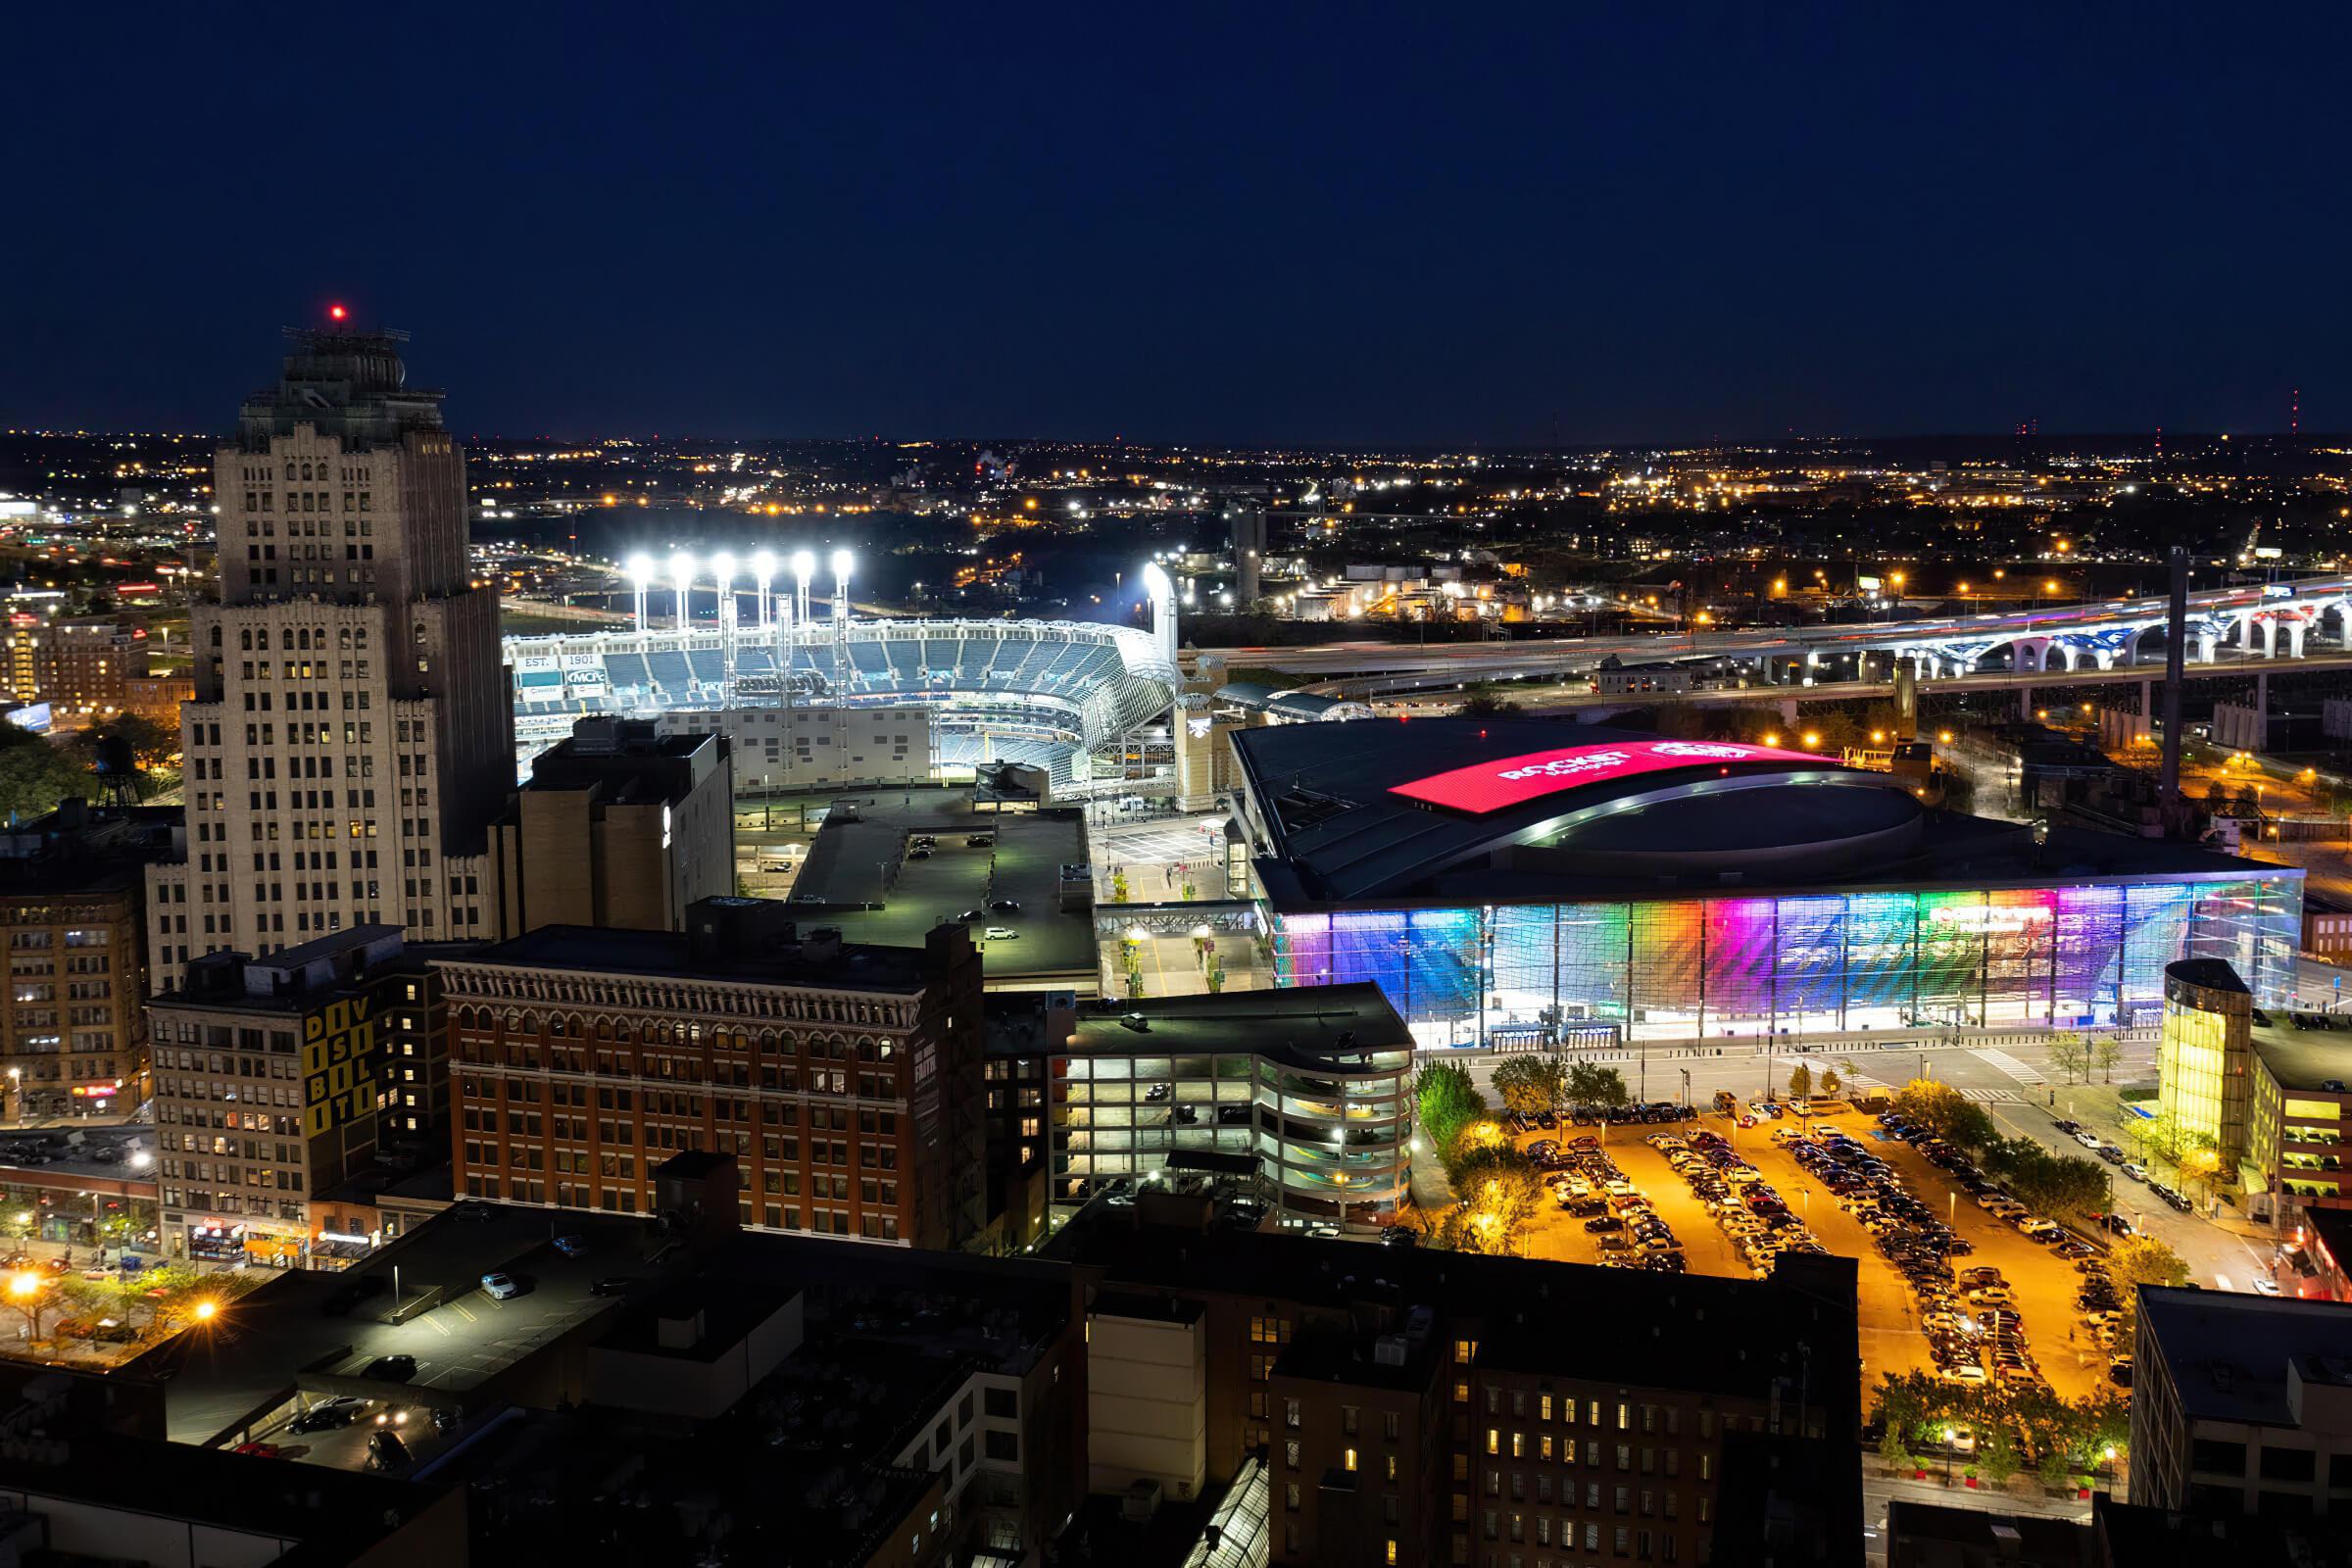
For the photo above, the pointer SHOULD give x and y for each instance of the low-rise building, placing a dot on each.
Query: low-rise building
(72, 902)
(273, 1079)
(2241, 1403)
(1312, 1088)
(799, 746)
(1444, 1407)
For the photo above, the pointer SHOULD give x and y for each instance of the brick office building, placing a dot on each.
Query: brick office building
(844, 1080)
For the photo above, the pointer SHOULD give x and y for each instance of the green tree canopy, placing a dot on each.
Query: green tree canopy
(1945, 1111)
(1532, 1083)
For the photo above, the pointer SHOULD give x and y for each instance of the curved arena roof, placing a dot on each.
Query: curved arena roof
(1032, 691)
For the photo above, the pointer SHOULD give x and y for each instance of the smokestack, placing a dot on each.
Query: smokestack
(2176, 636)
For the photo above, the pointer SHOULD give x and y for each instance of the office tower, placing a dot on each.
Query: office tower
(351, 735)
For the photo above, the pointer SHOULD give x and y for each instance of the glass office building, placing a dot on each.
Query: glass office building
(1808, 963)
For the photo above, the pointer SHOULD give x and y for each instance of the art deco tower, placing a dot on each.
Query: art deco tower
(351, 735)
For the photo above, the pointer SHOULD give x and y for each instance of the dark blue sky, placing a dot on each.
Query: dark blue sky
(1432, 224)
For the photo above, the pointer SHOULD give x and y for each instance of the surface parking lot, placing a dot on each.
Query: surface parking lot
(2050, 1332)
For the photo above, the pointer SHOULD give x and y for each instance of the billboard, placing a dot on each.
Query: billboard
(1491, 785)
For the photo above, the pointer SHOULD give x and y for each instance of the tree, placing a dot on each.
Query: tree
(1499, 1189)
(1602, 1087)
(34, 775)
(1894, 1450)
(2105, 1054)
(1447, 1101)
(2040, 1179)
(1996, 1455)
(1831, 1083)
(1945, 1111)
(1532, 1083)
(1800, 1082)
(2070, 1054)
(2144, 1260)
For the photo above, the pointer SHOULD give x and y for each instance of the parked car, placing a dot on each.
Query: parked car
(999, 933)
(501, 1287)
(391, 1368)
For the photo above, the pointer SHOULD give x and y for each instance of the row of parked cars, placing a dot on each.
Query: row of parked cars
(1743, 1205)
(1651, 1111)
(1591, 1186)
(2115, 1156)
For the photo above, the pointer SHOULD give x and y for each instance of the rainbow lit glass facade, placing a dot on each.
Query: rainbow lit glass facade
(1796, 964)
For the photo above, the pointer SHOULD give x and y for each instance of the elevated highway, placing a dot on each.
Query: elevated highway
(2269, 619)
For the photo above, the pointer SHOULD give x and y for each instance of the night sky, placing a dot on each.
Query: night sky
(1433, 226)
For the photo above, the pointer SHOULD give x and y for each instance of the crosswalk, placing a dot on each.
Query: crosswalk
(1994, 1096)
(1993, 1057)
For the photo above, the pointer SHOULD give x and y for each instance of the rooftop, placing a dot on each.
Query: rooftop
(2304, 1058)
(1306, 1026)
(857, 877)
(744, 940)
(2229, 1353)
(1683, 1341)
(1340, 833)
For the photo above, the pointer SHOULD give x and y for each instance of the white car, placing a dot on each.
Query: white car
(500, 1287)
(2088, 1140)
(2139, 1173)
(2264, 1285)
(999, 933)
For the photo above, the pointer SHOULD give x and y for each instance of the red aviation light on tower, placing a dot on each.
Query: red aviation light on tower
(337, 312)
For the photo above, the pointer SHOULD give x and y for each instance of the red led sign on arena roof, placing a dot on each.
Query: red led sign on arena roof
(1508, 780)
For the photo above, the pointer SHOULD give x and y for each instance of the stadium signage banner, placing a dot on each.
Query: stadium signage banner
(1491, 785)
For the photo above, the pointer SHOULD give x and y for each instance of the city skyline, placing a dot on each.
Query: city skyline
(1538, 234)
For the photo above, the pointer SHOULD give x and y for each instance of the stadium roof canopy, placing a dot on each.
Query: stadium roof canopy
(1511, 808)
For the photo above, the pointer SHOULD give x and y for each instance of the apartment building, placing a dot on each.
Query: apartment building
(844, 1080)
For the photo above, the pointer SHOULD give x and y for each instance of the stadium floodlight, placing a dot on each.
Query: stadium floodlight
(804, 564)
(764, 572)
(723, 564)
(842, 560)
(681, 569)
(641, 570)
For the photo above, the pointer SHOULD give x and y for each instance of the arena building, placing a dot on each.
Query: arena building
(1516, 883)
(951, 694)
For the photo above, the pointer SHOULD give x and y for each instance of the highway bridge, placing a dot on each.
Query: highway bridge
(2269, 620)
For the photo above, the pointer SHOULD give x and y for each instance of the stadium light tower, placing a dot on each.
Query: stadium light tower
(764, 572)
(804, 567)
(1161, 590)
(722, 567)
(641, 579)
(682, 573)
(842, 560)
